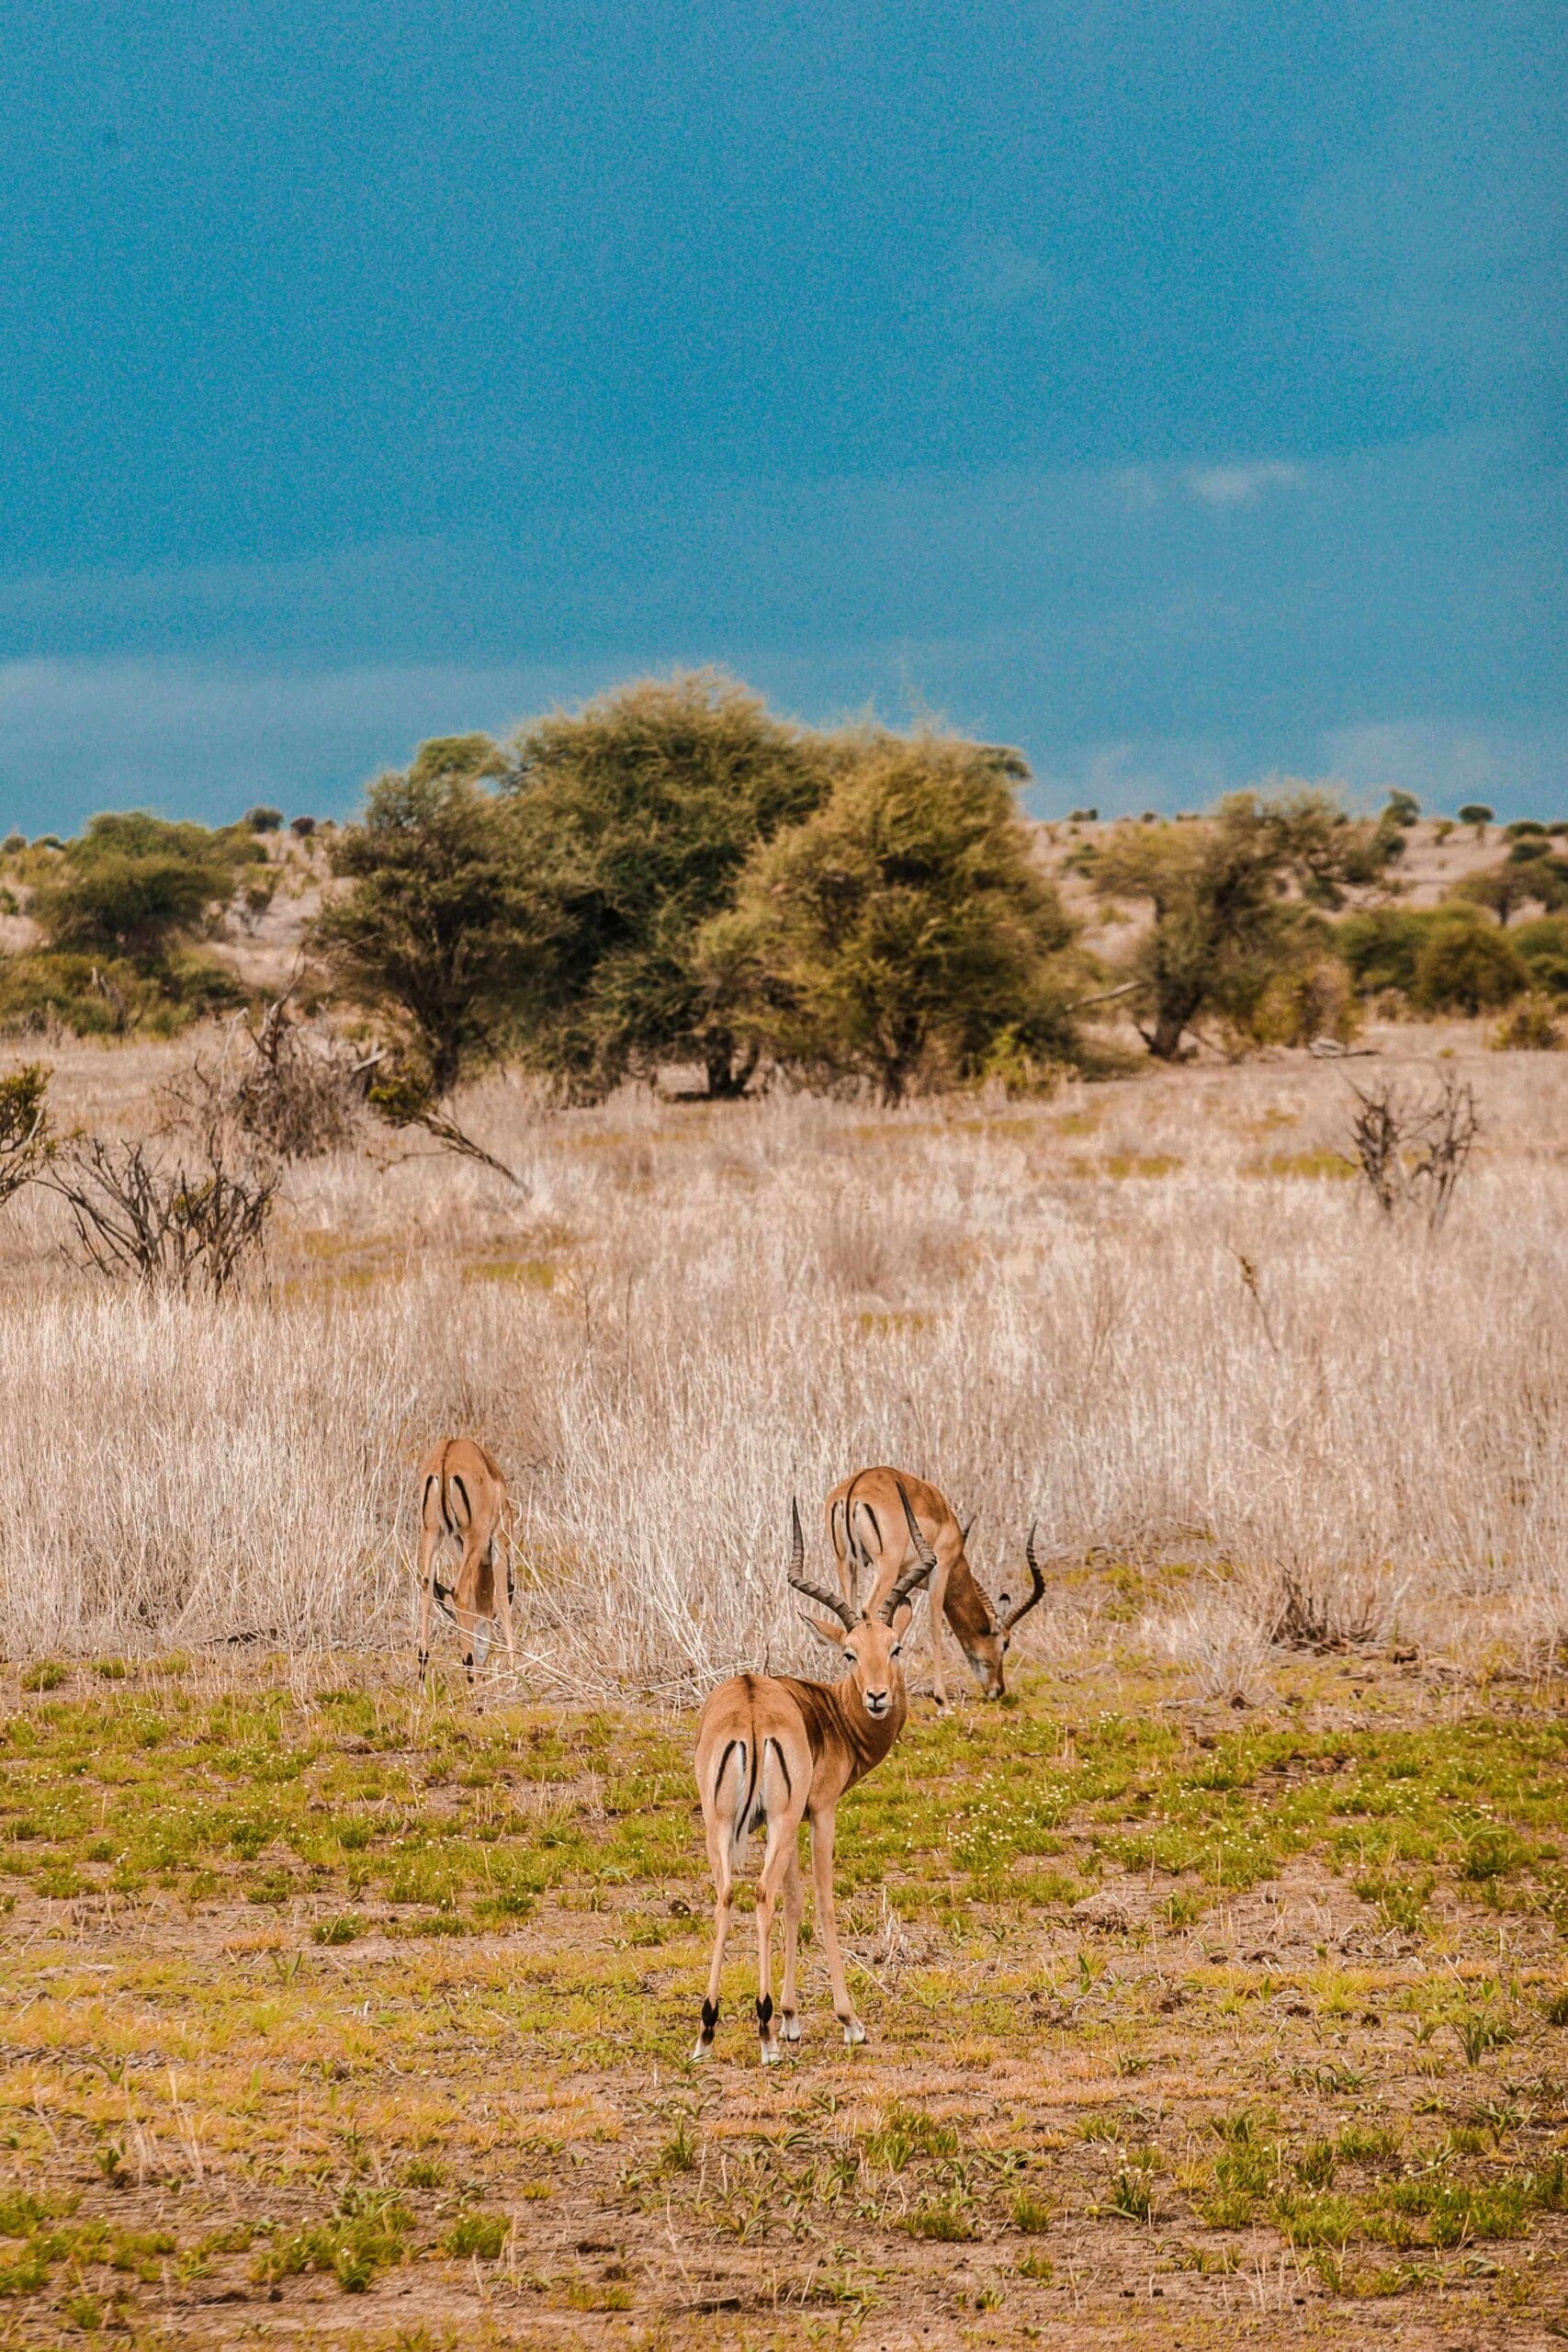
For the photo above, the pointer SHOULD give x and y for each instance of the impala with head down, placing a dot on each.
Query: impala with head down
(773, 1751)
(463, 1501)
(864, 1522)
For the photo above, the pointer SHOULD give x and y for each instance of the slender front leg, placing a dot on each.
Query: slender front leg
(429, 1541)
(504, 1569)
(723, 1912)
(500, 1574)
(793, 1904)
(822, 1879)
(938, 1604)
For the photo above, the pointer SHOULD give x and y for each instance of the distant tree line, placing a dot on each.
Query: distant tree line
(672, 874)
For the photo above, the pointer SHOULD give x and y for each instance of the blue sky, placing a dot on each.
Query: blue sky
(1176, 392)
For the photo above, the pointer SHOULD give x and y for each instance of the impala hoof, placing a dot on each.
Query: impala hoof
(704, 2050)
(789, 2026)
(853, 2031)
(772, 2055)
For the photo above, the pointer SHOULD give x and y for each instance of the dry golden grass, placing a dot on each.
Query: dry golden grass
(695, 1312)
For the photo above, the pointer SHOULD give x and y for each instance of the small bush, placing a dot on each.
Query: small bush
(263, 821)
(1479, 2031)
(25, 1141)
(946, 2223)
(1530, 1028)
(1133, 2192)
(343, 1929)
(1467, 966)
(1031, 2214)
(14, 844)
(1543, 947)
(302, 827)
(42, 991)
(477, 2234)
(1556, 2008)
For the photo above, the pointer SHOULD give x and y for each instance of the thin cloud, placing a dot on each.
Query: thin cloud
(1239, 485)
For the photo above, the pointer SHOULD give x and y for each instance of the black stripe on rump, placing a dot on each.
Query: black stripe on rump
(784, 1768)
(723, 1768)
(467, 1506)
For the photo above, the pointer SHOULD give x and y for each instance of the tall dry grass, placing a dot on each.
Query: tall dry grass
(695, 1314)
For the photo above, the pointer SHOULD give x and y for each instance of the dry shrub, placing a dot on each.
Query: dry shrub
(291, 1088)
(1222, 1639)
(1532, 1027)
(163, 1224)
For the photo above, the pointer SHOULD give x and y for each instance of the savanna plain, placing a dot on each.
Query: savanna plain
(1215, 1978)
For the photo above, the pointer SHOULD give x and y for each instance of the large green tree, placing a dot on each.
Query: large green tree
(634, 817)
(433, 927)
(1232, 899)
(903, 933)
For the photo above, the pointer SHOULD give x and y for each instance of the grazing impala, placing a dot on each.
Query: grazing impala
(871, 1498)
(774, 1752)
(463, 1500)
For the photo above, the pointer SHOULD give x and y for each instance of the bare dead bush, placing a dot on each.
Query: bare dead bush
(291, 1086)
(1414, 1153)
(169, 1227)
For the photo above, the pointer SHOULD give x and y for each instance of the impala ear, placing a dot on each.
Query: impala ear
(825, 1629)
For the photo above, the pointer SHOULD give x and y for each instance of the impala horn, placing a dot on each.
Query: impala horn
(1035, 1594)
(925, 1561)
(832, 1603)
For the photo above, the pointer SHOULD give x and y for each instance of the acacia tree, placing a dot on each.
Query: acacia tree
(132, 885)
(902, 933)
(1232, 899)
(432, 928)
(634, 817)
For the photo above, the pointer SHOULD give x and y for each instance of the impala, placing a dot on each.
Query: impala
(773, 1751)
(871, 1498)
(463, 1500)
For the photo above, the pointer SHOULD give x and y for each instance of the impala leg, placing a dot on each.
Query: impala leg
(793, 1904)
(504, 1584)
(723, 1912)
(466, 1600)
(938, 1604)
(782, 1849)
(429, 1540)
(822, 1880)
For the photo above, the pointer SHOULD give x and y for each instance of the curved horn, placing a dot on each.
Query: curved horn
(832, 1601)
(968, 1526)
(1037, 1588)
(925, 1561)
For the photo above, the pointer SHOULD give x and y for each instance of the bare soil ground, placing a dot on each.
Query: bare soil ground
(335, 2017)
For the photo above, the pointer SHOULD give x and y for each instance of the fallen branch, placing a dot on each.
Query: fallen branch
(1106, 995)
